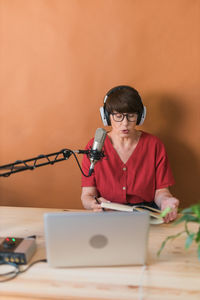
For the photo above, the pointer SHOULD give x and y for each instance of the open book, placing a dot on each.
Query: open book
(154, 213)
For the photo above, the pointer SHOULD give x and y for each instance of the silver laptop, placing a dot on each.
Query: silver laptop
(96, 238)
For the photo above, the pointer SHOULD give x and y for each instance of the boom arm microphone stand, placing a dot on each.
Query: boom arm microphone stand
(48, 159)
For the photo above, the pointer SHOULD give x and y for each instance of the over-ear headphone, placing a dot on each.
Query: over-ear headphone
(105, 116)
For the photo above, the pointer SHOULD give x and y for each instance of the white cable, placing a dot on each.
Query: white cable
(140, 285)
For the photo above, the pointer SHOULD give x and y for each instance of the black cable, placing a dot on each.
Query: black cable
(96, 155)
(17, 270)
(14, 273)
(33, 263)
(80, 166)
(10, 278)
(11, 264)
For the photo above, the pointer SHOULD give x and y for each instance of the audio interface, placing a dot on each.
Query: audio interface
(16, 250)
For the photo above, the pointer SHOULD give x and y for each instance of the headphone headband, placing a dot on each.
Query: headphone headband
(105, 116)
(117, 88)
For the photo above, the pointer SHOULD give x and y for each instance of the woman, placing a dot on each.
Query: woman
(135, 168)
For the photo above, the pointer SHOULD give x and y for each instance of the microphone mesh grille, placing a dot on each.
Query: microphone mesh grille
(100, 135)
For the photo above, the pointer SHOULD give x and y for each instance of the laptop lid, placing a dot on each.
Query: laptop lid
(96, 238)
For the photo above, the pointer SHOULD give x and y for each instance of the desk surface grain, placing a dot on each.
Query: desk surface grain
(173, 275)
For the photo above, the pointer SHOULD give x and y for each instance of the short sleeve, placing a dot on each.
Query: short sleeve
(164, 176)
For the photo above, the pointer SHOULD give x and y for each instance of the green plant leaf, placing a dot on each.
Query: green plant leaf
(198, 250)
(167, 239)
(190, 214)
(187, 218)
(186, 228)
(198, 236)
(189, 240)
(187, 211)
(196, 210)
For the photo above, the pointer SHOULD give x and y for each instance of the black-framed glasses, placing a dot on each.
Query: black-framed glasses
(119, 117)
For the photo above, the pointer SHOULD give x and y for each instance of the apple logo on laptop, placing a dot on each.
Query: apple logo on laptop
(98, 241)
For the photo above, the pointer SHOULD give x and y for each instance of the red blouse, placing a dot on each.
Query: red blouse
(146, 170)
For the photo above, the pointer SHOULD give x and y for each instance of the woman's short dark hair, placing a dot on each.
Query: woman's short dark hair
(124, 99)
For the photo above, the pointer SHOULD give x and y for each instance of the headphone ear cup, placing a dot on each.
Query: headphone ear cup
(143, 116)
(107, 116)
(104, 116)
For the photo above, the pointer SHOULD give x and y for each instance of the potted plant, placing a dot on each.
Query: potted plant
(190, 214)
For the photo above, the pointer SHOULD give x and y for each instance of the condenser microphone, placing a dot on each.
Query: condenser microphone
(96, 154)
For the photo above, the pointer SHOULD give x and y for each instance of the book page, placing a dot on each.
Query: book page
(116, 206)
(155, 217)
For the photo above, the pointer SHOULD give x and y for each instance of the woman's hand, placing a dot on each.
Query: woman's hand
(164, 199)
(89, 199)
(100, 200)
(173, 204)
(95, 205)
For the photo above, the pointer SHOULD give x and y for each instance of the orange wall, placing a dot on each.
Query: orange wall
(57, 60)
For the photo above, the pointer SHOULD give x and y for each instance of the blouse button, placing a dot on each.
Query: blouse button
(124, 169)
(124, 188)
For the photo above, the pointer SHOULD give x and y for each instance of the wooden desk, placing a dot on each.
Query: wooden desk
(174, 275)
